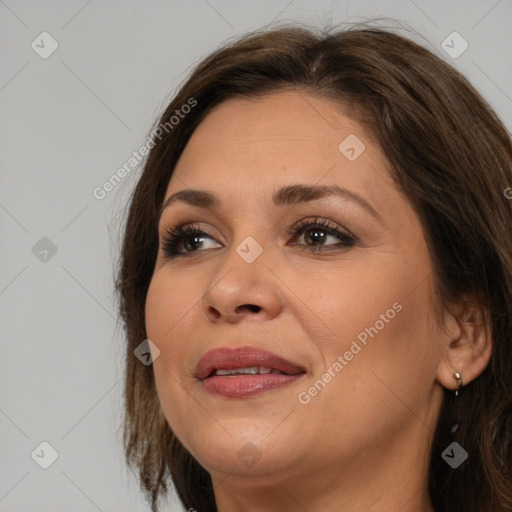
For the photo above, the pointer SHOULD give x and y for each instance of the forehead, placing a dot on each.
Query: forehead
(297, 122)
(245, 145)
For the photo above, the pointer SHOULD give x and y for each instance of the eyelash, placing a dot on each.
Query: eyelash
(173, 237)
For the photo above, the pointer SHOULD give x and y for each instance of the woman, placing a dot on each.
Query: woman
(319, 251)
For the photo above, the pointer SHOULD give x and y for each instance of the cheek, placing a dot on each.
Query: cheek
(383, 387)
(389, 359)
(349, 302)
(171, 316)
(379, 323)
(157, 304)
(382, 304)
(169, 308)
(173, 313)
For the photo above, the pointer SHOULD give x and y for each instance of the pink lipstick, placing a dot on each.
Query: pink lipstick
(245, 371)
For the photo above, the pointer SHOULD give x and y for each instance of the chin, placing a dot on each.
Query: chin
(241, 447)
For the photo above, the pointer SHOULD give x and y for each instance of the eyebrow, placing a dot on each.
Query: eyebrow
(286, 196)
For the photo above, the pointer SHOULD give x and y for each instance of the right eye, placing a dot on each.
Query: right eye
(183, 240)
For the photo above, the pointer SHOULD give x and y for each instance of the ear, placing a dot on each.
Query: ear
(468, 348)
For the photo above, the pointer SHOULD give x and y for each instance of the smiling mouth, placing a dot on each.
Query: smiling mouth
(244, 372)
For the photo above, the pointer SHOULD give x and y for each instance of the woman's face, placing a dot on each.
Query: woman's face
(336, 284)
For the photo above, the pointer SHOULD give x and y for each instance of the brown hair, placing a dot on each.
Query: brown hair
(450, 156)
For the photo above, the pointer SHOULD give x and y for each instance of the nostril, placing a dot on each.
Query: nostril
(250, 307)
(214, 312)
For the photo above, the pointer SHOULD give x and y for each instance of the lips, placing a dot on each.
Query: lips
(244, 358)
(244, 372)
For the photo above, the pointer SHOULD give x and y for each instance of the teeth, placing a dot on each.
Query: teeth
(253, 370)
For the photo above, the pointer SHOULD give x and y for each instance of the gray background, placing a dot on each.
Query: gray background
(69, 122)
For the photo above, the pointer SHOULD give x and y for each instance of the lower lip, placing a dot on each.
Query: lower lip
(246, 385)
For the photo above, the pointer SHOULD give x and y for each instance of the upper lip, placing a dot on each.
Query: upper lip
(243, 357)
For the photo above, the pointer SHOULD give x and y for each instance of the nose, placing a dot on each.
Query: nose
(239, 290)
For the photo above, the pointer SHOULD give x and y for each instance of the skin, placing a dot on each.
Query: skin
(363, 442)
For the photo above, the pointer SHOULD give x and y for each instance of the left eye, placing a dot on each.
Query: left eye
(318, 231)
(187, 239)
